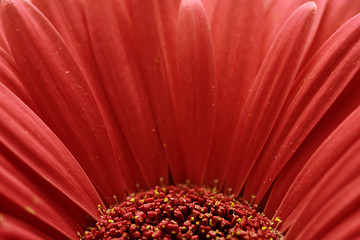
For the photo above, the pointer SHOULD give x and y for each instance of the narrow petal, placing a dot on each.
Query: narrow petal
(345, 105)
(125, 88)
(10, 77)
(210, 8)
(338, 200)
(35, 146)
(334, 15)
(28, 198)
(317, 87)
(326, 158)
(269, 91)
(195, 89)
(11, 228)
(58, 87)
(68, 17)
(3, 41)
(155, 38)
(276, 14)
(347, 228)
(237, 37)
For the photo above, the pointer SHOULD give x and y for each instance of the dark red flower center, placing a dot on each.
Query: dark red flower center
(181, 212)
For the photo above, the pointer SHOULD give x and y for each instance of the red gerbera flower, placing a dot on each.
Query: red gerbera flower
(259, 100)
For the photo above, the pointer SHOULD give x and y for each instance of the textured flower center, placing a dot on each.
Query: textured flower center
(181, 212)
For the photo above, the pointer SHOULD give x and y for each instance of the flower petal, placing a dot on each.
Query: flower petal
(31, 144)
(68, 17)
(268, 94)
(125, 88)
(155, 38)
(347, 228)
(210, 7)
(11, 228)
(3, 41)
(329, 155)
(27, 198)
(317, 87)
(236, 31)
(334, 14)
(10, 77)
(58, 87)
(195, 89)
(276, 14)
(336, 197)
(347, 102)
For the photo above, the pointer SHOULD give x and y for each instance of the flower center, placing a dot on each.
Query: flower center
(181, 212)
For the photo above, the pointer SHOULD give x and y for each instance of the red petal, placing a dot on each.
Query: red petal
(268, 94)
(61, 93)
(347, 102)
(195, 89)
(346, 228)
(317, 88)
(334, 14)
(68, 17)
(31, 144)
(31, 199)
(11, 228)
(236, 31)
(10, 77)
(210, 8)
(155, 36)
(336, 197)
(277, 12)
(125, 88)
(3, 41)
(328, 156)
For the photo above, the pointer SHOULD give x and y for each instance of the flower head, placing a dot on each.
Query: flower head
(256, 99)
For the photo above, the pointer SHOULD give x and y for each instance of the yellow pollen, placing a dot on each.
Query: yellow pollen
(29, 210)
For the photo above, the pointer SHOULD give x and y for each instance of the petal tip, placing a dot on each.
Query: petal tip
(191, 3)
(311, 6)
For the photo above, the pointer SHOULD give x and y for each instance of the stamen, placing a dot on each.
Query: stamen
(100, 209)
(116, 199)
(181, 212)
(278, 220)
(252, 199)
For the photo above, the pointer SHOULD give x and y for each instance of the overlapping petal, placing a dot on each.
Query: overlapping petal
(195, 89)
(155, 23)
(10, 77)
(58, 88)
(338, 199)
(330, 155)
(345, 105)
(98, 100)
(317, 87)
(41, 167)
(237, 39)
(267, 95)
(68, 17)
(125, 88)
(11, 228)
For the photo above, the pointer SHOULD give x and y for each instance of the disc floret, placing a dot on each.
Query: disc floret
(182, 212)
